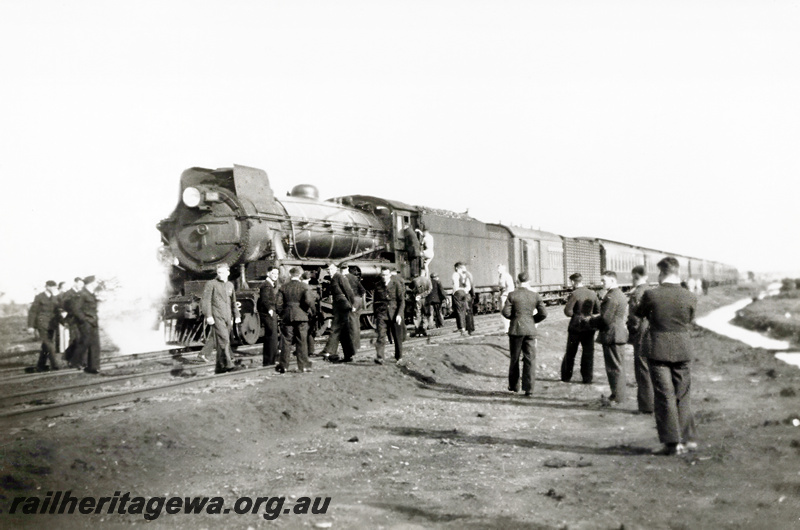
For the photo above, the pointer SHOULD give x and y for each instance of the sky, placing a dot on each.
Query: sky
(671, 125)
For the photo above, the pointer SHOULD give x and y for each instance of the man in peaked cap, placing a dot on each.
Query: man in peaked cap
(66, 301)
(84, 309)
(581, 305)
(43, 317)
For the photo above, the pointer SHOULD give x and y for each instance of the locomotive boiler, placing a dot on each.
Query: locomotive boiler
(232, 216)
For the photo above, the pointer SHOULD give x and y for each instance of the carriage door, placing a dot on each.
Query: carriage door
(536, 265)
(530, 260)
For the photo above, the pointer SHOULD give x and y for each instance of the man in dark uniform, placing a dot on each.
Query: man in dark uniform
(84, 309)
(613, 334)
(218, 304)
(354, 318)
(639, 337)
(434, 300)
(389, 310)
(581, 305)
(343, 299)
(267, 308)
(313, 311)
(413, 249)
(294, 302)
(43, 317)
(524, 308)
(670, 310)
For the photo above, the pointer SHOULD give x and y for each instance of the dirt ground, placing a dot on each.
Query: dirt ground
(437, 443)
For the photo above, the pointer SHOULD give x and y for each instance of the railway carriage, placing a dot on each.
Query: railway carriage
(582, 255)
(620, 258)
(540, 254)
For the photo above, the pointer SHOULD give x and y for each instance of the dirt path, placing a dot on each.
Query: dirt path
(437, 443)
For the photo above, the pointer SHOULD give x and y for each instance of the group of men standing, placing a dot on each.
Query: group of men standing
(287, 312)
(74, 309)
(289, 315)
(655, 321)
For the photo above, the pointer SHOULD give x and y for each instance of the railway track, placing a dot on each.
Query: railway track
(24, 404)
(18, 374)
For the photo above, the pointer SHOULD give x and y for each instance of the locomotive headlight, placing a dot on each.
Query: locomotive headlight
(191, 197)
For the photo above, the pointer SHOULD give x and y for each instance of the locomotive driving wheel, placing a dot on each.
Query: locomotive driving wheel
(368, 320)
(250, 328)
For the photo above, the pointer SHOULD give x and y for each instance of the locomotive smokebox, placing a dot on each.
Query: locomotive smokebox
(225, 215)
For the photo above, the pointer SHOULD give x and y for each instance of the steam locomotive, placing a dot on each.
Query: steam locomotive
(231, 215)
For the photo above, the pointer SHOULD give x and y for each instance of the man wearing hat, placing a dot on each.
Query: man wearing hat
(581, 305)
(524, 308)
(389, 310)
(294, 302)
(434, 301)
(343, 299)
(43, 317)
(84, 310)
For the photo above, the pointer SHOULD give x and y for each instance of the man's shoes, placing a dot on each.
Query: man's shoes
(512, 389)
(280, 369)
(690, 446)
(305, 370)
(347, 360)
(528, 393)
(234, 368)
(91, 371)
(670, 450)
(202, 358)
(378, 361)
(334, 358)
